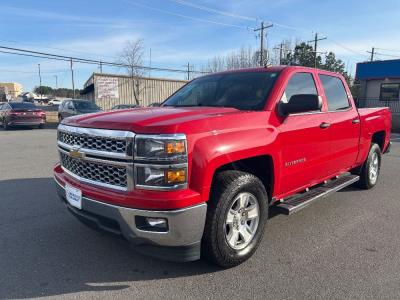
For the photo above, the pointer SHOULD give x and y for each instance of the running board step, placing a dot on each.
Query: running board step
(300, 201)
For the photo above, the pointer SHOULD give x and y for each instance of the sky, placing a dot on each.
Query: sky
(182, 31)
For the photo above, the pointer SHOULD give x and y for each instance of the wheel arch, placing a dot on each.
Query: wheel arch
(261, 166)
(379, 139)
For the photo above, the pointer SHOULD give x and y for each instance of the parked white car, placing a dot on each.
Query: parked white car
(55, 102)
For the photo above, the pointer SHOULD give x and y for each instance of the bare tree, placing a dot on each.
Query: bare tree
(245, 57)
(132, 56)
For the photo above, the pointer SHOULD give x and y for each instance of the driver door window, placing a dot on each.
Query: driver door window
(300, 83)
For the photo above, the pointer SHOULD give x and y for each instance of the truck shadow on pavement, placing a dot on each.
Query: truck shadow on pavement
(44, 251)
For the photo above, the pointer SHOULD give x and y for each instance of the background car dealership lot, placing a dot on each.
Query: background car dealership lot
(341, 247)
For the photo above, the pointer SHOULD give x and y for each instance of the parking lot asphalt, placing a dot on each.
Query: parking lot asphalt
(344, 246)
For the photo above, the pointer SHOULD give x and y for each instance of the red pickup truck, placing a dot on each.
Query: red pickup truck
(198, 175)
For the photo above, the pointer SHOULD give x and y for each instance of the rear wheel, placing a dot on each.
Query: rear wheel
(371, 168)
(41, 126)
(236, 216)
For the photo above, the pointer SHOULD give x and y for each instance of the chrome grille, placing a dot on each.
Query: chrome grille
(107, 174)
(107, 144)
(97, 156)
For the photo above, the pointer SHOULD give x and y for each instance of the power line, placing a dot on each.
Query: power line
(390, 50)
(30, 72)
(213, 10)
(55, 48)
(31, 55)
(185, 16)
(388, 55)
(45, 55)
(347, 48)
(237, 16)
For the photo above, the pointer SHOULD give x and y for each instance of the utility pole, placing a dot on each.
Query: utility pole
(40, 83)
(101, 66)
(280, 52)
(188, 71)
(72, 78)
(316, 40)
(372, 53)
(262, 28)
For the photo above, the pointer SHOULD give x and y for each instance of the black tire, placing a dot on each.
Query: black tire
(365, 181)
(226, 187)
(41, 126)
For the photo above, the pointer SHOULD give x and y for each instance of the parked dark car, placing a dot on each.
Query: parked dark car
(76, 107)
(125, 106)
(21, 114)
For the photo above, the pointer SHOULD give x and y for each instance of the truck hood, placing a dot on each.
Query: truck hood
(151, 120)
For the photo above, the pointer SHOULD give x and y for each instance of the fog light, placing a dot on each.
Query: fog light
(151, 224)
(157, 222)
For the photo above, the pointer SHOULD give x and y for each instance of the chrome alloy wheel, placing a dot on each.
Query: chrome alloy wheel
(374, 168)
(242, 221)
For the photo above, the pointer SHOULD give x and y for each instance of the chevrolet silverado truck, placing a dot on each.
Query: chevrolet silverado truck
(197, 176)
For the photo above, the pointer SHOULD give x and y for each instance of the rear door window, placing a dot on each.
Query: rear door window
(335, 93)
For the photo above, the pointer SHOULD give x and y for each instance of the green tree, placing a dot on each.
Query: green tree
(43, 90)
(302, 55)
(336, 65)
(333, 64)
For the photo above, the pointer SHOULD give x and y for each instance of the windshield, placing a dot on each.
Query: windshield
(244, 91)
(22, 105)
(85, 105)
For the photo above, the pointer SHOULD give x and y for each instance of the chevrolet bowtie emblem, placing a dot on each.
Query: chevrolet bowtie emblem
(76, 153)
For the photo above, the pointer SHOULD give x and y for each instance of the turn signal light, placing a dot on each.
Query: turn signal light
(176, 176)
(175, 147)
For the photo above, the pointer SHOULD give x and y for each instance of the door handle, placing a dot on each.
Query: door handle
(355, 121)
(324, 125)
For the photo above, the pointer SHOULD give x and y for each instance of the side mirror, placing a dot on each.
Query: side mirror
(300, 103)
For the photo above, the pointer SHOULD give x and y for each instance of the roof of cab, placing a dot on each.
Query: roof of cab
(273, 69)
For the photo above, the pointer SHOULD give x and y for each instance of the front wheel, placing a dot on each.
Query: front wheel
(371, 168)
(236, 217)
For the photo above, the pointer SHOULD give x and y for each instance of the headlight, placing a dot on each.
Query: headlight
(161, 177)
(161, 161)
(161, 147)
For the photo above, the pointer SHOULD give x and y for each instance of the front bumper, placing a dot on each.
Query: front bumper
(181, 242)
